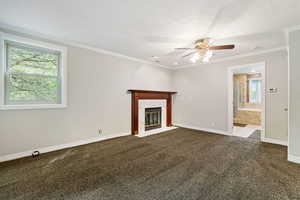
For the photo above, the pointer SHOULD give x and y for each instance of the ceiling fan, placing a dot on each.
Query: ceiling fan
(203, 49)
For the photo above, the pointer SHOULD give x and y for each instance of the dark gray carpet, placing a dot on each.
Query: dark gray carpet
(179, 164)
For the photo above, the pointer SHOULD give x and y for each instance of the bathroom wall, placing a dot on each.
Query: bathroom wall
(245, 112)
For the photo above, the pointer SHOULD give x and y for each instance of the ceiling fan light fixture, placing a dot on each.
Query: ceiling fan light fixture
(210, 41)
(195, 57)
(207, 56)
(203, 49)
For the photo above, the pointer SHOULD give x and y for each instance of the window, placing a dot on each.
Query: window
(33, 74)
(255, 91)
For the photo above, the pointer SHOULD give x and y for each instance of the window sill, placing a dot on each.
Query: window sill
(32, 107)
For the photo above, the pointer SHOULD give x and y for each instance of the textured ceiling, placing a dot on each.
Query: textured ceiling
(143, 29)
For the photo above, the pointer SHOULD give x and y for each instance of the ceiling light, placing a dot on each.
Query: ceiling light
(207, 56)
(195, 57)
(211, 41)
(175, 63)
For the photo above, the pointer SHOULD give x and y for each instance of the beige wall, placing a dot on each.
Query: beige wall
(241, 89)
(294, 109)
(97, 98)
(202, 100)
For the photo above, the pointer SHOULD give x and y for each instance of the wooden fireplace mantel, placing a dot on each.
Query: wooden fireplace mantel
(136, 95)
(151, 91)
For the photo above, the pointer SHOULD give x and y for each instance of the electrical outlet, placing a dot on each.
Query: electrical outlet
(213, 124)
(100, 131)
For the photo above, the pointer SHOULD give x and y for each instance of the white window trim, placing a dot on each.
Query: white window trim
(63, 72)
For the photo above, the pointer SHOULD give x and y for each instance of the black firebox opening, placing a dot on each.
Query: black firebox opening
(152, 118)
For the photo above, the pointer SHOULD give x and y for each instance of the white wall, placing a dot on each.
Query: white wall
(294, 113)
(202, 99)
(97, 98)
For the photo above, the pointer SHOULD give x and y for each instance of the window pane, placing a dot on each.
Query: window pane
(255, 91)
(26, 89)
(31, 60)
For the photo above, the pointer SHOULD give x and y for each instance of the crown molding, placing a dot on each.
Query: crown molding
(16, 30)
(234, 57)
(293, 28)
(106, 52)
(290, 29)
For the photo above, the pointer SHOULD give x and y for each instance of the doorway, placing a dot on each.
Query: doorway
(247, 100)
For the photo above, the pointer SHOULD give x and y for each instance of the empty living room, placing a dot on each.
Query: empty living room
(150, 100)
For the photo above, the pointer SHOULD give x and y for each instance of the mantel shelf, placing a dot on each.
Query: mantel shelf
(151, 91)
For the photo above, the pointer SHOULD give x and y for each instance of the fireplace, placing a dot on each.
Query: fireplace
(151, 111)
(152, 118)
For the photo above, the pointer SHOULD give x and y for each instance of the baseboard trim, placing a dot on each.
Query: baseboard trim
(266, 140)
(59, 147)
(274, 141)
(294, 159)
(220, 132)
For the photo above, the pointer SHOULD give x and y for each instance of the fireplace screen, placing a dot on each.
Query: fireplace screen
(152, 118)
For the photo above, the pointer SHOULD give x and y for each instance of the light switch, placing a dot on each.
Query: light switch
(273, 90)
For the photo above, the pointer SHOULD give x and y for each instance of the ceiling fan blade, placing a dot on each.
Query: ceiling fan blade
(189, 54)
(183, 48)
(221, 47)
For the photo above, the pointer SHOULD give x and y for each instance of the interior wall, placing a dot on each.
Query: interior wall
(294, 106)
(97, 99)
(202, 99)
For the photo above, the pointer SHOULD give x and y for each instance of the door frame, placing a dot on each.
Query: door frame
(230, 96)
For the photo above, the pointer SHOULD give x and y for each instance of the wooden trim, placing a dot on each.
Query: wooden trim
(136, 95)
(134, 114)
(169, 110)
(151, 91)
